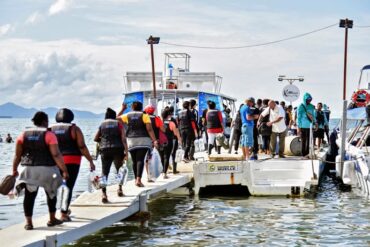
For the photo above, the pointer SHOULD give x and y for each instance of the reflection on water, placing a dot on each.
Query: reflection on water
(332, 218)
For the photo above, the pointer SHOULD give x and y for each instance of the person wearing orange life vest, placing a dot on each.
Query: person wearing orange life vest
(157, 123)
(158, 127)
(72, 146)
(214, 126)
(188, 129)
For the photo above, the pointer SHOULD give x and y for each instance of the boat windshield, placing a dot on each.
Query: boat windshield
(364, 81)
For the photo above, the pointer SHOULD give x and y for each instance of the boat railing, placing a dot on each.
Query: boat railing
(195, 81)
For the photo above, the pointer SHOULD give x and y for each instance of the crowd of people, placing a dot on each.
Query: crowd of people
(51, 155)
(272, 121)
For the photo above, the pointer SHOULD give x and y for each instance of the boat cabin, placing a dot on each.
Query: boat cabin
(176, 85)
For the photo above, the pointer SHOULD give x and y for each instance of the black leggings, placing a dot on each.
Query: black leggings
(165, 153)
(305, 135)
(174, 149)
(109, 156)
(237, 135)
(138, 161)
(255, 140)
(188, 138)
(29, 202)
(73, 170)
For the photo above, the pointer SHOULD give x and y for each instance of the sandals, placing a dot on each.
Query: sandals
(104, 199)
(66, 218)
(140, 185)
(120, 193)
(54, 222)
(28, 227)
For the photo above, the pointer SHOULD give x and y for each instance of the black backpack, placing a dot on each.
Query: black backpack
(320, 117)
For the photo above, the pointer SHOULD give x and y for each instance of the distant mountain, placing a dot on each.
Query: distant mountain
(16, 111)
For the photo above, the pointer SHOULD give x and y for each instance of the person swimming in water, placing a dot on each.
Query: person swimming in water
(9, 139)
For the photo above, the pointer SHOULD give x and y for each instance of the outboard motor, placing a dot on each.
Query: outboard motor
(332, 153)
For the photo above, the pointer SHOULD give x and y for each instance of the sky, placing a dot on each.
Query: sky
(74, 53)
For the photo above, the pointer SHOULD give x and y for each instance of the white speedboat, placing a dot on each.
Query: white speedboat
(355, 169)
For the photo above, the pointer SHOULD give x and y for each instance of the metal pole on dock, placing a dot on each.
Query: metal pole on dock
(153, 41)
(344, 23)
(343, 136)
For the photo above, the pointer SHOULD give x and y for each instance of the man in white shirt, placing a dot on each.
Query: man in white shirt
(276, 120)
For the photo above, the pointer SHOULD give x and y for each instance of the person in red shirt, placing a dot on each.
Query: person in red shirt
(214, 126)
(158, 128)
(72, 145)
(157, 123)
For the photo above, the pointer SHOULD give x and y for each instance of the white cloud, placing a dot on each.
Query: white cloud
(94, 71)
(59, 6)
(34, 18)
(4, 29)
(66, 73)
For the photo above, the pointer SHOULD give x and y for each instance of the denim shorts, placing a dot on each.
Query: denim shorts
(246, 140)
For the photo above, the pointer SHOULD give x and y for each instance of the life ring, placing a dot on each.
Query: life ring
(360, 98)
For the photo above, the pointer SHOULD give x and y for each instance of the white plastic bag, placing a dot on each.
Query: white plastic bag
(62, 197)
(122, 175)
(179, 155)
(96, 182)
(227, 131)
(155, 167)
(199, 145)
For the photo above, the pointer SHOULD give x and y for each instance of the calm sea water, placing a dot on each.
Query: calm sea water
(333, 218)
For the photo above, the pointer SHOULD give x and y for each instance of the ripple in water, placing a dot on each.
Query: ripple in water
(334, 218)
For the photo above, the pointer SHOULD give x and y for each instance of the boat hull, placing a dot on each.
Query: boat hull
(269, 177)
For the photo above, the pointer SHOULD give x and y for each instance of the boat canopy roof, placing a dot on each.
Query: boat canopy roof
(170, 94)
(181, 80)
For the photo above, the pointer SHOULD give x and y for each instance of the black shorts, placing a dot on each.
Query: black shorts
(319, 134)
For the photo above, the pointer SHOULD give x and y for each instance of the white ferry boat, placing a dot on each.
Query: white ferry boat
(291, 176)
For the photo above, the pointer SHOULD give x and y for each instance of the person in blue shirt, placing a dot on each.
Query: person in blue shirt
(306, 119)
(247, 117)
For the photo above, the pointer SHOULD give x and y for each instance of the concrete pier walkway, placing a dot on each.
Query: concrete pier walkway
(89, 214)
